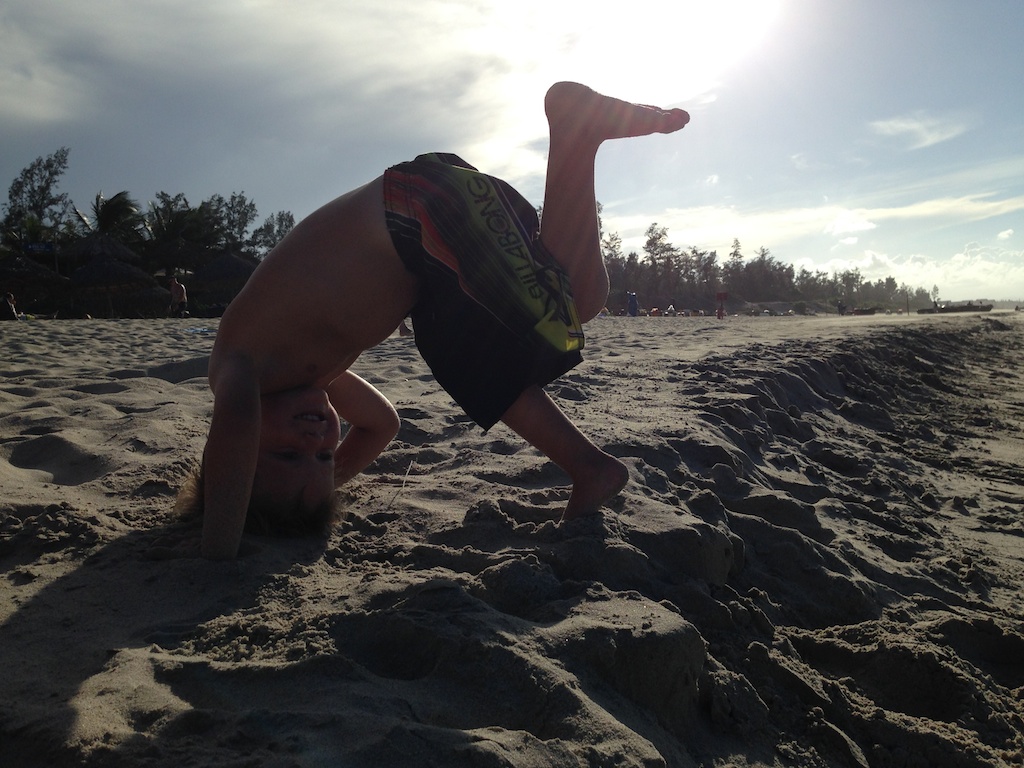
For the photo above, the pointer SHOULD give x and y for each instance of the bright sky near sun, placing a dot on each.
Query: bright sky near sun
(839, 134)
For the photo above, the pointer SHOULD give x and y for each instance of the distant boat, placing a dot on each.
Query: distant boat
(970, 306)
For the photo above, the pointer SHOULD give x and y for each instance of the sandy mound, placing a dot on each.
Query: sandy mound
(817, 561)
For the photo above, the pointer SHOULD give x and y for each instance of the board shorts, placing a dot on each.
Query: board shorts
(494, 313)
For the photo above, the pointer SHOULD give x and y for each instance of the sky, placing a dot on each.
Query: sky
(875, 135)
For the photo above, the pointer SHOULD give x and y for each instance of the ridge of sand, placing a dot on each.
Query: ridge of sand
(817, 561)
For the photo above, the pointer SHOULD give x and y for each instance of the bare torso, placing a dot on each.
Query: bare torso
(332, 288)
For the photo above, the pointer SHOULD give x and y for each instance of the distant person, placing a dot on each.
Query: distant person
(496, 300)
(632, 304)
(179, 299)
(9, 311)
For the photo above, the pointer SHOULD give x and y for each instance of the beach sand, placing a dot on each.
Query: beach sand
(818, 561)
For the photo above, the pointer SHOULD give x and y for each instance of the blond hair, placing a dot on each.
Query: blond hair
(265, 516)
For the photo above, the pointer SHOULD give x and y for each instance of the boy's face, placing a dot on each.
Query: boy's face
(299, 431)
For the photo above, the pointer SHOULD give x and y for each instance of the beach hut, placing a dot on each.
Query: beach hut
(91, 247)
(37, 288)
(111, 285)
(218, 282)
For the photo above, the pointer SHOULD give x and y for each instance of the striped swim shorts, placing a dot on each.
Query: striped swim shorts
(494, 313)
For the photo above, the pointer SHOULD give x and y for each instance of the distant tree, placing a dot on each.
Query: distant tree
(272, 231)
(707, 272)
(632, 273)
(732, 271)
(614, 262)
(181, 236)
(922, 298)
(850, 283)
(663, 275)
(890, 289)
(33, 200)
(657, 246)
(235, 216)
(736, 254)
(816, 286)
(766, 279)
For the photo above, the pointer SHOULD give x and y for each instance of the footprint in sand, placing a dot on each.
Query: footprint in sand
(65, 462)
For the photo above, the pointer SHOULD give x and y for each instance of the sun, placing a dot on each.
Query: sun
(662, 51)
(666, 51)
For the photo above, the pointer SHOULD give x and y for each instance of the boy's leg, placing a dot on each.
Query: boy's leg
(596, 476)
(579, 120)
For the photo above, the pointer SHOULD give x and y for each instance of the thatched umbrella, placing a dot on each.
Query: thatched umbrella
(222, 278)
(96, 246)
(108, 277)
(31, 282)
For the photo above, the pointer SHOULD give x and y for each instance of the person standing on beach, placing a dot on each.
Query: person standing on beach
(9, 311)
(179, 299)
(496, 299)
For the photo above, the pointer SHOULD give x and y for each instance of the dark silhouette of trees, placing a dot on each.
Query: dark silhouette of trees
(173, 237)
(33, 203)
(666, 275)
(271, 232)
(119, 217)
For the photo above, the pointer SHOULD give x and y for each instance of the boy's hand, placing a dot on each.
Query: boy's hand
(230, 457)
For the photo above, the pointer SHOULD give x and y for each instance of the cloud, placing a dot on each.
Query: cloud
(716, 226)
(849, 221)
(967, 274)
(921, 129)
(300, 100)
(1006, 234)
(796, 235)
(972, 272)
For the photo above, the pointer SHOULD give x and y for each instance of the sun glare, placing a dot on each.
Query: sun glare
(661, 51)
(664, 52)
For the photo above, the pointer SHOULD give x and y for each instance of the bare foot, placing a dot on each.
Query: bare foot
(578, 111)
(605, 478)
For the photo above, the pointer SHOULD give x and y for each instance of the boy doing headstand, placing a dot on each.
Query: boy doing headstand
(496, 310)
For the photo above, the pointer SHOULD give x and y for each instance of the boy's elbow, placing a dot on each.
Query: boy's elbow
(383, 421)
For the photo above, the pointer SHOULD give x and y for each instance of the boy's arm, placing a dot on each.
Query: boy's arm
(374, 423)
(230, 458)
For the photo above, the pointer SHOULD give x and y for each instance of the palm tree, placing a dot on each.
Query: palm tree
(119, 217)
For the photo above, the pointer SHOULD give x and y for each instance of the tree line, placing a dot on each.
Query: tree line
(665, 275)
(172, 236)
(169, 235)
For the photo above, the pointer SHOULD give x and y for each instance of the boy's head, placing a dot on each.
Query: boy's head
(293, 488)
(299, 432)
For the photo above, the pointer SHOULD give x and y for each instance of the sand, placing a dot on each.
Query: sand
(818, 561)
